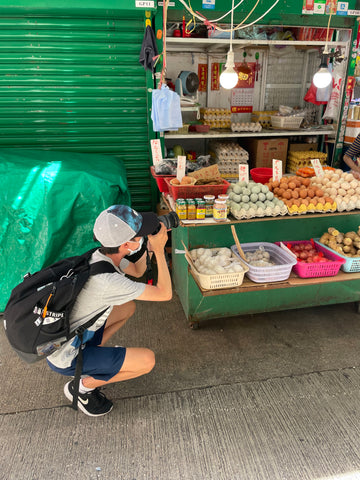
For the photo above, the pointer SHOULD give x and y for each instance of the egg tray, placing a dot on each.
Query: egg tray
(302, 211)
(247, 215)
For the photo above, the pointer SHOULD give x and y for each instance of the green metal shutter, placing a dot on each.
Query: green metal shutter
(76, 84)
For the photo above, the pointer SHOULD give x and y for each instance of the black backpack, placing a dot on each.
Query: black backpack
(36, 317)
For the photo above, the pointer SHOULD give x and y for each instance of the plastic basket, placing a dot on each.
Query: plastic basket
(311, 270)
(351, 265)
(286, 122)
(219, 280)
(196, 191)
(276, 273)
(160, 180)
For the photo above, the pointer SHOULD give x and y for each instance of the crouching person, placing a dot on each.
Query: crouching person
(120, 231)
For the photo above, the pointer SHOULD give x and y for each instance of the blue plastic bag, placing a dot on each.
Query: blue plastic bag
(166, 111)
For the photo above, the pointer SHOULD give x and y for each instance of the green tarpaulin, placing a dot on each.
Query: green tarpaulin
(48, 204)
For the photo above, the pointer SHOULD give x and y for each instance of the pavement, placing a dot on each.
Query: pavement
(256, 397)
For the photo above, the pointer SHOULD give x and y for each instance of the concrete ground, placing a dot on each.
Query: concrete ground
(258, 397)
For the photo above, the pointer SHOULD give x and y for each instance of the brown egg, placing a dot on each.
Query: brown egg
(295, 194)
(322, 200)
(311, 192)
(276, 191)
(186, 180)
(175, 181)
(297, 202)
(328, 199)
(305, 201)
(289, 203)
(319, 193)
(306, 181)
(281, 191)
(315, 200)
(276, 183)
(287, 194)
(297, 180)
(292, 185)
(303, 193)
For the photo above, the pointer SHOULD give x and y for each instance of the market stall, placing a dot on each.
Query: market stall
(260, 156)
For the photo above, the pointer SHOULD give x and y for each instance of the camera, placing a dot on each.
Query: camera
(170, 220)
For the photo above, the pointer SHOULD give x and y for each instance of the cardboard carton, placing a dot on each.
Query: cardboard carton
(263, 151)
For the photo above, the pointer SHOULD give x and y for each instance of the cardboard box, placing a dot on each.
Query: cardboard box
(302, 147)
(263, 151)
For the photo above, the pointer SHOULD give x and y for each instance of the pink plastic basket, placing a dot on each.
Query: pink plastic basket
(326, 269)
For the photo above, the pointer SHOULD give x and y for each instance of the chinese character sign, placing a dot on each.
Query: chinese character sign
(202, 74)
(215, 76)
(277, 170)
(244, 172)
(156, 151)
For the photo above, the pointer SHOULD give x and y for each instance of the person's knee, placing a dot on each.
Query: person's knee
(149, 360)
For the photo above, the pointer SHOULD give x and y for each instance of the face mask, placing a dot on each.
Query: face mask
(132, 252)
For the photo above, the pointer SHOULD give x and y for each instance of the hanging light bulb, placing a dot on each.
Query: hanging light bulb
(322, 77)
(229, 78)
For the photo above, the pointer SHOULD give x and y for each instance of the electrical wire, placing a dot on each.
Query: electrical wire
(238, 27)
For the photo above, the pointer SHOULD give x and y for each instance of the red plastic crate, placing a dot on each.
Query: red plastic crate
(160, 180)
(196, 191)
(326, 269)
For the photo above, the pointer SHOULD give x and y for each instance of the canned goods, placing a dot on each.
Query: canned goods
(181, 208)
(200, 210)
(191, 209)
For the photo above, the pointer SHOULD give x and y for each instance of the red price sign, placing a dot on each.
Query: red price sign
(277, 169)
(317, 167)
(243, 172)
(215, 76)
(156, 151)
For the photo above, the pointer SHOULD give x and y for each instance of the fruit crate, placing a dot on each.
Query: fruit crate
(196, 191)
(284, 262)
(316, 269)
(218, 280)
(351, 265)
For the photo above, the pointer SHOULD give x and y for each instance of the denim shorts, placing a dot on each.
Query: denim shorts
(101, 363)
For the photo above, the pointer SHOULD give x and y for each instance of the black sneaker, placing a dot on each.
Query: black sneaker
(92, 403)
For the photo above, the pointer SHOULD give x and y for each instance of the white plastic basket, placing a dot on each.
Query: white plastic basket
(286, 122)
(276, 273)
(219, 280)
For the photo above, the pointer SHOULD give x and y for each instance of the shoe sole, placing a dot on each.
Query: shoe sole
(80, 405)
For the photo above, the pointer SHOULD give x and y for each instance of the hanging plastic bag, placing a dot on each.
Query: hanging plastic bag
(311, 96)
(166, 111)
(333, 107)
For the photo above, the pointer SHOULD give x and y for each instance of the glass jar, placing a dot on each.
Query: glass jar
(200, 210)
(220, 210)
(209, 202)
(191, 209)
(181, 208)
(225, 197)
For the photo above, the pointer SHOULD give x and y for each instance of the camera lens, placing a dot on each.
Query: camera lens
(170, 220)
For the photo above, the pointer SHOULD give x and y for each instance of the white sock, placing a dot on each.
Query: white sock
(83, 389)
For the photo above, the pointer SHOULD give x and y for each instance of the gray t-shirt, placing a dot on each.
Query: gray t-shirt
(100, 292)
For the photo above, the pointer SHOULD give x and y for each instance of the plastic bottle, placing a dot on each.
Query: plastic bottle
(220, 210)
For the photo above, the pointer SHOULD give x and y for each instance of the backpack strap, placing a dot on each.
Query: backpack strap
(95, 269)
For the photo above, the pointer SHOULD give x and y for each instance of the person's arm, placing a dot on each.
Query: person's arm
(350, 163)
(138, 268)
(162, 291)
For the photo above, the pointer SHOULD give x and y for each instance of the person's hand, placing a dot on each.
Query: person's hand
(156, 243)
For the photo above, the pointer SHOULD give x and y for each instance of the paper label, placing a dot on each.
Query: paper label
(243, 172)
(277, 170)
(156, 151)
(317, 167)
(180, 171)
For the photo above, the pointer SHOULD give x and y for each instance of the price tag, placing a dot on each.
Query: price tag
(180, 170)
(277, 169)
(317, 167)
(243, 172)
(156, 151)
